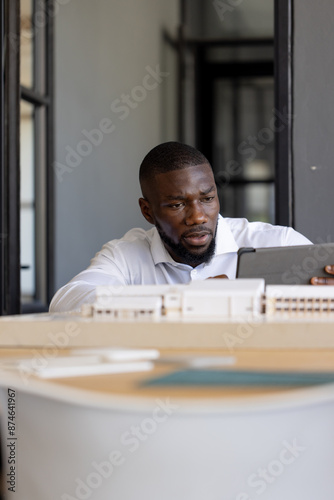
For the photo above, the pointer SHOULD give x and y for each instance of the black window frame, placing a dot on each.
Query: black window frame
(11, 95)
(283, 76)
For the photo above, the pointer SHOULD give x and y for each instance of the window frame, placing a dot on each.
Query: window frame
(283, 77)
(11, 95)
(10, 169)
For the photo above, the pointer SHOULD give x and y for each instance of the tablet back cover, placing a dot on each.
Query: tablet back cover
(293, 265)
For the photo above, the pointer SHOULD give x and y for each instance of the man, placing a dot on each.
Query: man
(189, 240)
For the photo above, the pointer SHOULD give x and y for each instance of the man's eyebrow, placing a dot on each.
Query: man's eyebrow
(181, 197)
(176, 197)
(207, 191)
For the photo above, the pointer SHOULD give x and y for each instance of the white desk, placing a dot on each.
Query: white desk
(108, 436)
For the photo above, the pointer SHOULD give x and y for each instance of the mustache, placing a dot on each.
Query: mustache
(198, 230)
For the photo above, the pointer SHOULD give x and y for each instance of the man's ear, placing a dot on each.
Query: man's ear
(145, 208)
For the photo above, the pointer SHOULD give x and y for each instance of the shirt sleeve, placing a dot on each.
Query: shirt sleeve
(292, 238)
(81, 289)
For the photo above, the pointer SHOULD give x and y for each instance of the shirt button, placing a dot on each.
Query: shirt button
(194, 272)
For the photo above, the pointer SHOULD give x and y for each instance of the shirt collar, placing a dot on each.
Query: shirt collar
(225, 243)
(159, 252)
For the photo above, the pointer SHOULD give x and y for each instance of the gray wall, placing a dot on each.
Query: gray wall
(103, 49)
(313, 134)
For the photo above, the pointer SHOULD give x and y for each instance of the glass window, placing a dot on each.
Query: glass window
(35, 153)
(244, 146)
(26, 43)
(27, 202)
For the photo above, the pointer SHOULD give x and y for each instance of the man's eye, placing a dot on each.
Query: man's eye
(175, 205)
(209, 198)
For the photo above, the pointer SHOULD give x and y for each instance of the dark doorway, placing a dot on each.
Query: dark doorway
(234, 109)
(235, 103)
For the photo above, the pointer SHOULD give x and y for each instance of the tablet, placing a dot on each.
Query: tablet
(293, 265)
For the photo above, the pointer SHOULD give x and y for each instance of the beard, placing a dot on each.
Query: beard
(185, 256)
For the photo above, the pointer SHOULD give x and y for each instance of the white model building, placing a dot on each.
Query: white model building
(211, 298)
(292, 300)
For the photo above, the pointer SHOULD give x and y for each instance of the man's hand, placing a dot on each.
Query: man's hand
(223, 276)
(324, 281)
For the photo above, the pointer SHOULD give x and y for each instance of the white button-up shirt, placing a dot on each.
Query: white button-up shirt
(140, 257)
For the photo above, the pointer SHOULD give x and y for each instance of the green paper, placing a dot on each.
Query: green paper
(240, 378)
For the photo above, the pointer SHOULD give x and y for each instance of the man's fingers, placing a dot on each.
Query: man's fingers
(322, 281)
(221, 276)
(329, 269)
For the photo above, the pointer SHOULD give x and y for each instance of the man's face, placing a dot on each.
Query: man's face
(184, 207)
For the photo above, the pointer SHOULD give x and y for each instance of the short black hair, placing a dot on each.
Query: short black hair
(169, 156)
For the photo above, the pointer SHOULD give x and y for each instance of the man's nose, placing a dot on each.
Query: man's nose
(195, 214)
